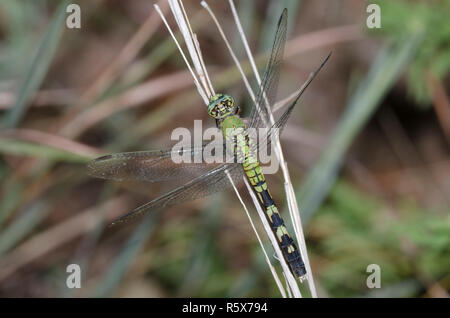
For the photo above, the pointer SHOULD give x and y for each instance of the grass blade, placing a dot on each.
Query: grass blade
(22, 227)
(22, 148)
(382, 76)
(118, 269)
(38, 68)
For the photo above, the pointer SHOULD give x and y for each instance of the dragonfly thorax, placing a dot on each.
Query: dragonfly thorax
(221, 106)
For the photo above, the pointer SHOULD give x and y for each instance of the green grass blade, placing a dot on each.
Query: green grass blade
(22, 148)
(118, 269)
(37, 69)
(382, 76)
(22, 227)
(11, 197)
(199, 266)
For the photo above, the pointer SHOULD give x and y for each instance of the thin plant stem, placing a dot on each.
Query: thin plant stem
(251, 93)
(197, 83)
(205, 89)
(272, 269)
(291, 199)
(287, 273)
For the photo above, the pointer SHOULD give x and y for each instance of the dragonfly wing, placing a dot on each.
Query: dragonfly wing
(152, 166)
(213, 181)
(277, 128)
(265, 97)
(259, 116)
(281, 122)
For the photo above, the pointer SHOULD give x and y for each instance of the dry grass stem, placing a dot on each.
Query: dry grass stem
(204, 85)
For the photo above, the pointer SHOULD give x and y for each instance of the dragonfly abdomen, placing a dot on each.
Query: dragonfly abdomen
(290, 252)
(234, 131)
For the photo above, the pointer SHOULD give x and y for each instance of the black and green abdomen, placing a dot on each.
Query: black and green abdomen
(292, 255)
(256, 179)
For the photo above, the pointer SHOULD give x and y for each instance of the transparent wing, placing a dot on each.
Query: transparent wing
(277, 128)
(152, 166)
(281, 122)
(259, 116)
(266, 95)
(213, 181)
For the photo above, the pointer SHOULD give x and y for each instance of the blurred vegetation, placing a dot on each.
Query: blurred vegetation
(353, 230)
(371, 179)
(402, 18)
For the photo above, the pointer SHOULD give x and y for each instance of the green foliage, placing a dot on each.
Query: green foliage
(38, 68)
(353, 230)
(403, 18)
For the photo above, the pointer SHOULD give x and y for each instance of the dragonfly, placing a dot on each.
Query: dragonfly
(208, 178)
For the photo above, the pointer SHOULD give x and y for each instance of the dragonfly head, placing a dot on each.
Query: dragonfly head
(221, 106)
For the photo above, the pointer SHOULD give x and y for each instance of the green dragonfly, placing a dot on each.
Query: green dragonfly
(208, 178)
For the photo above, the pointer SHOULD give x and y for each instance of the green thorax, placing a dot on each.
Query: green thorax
(235, 134)
(225, 111)
(232, 122)
(233, 126)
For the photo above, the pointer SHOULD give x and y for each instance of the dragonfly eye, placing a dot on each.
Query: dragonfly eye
(221, 106)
